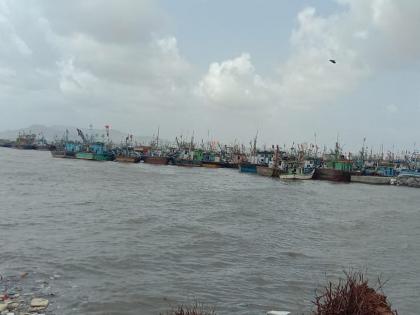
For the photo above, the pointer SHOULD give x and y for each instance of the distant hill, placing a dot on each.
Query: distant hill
(57, 132)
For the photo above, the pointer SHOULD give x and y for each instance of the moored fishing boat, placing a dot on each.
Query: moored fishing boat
(335, 175)
(154, 153)
(189, 157)
(336, 168)
(26, 141)
(298, 173)
(269, 163)
(94, 150)
(126, 153)
(65, 149)
(260, 158)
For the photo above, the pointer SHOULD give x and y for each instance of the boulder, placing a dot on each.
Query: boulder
(3, 307)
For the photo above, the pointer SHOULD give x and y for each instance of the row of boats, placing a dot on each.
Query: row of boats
(298, 163)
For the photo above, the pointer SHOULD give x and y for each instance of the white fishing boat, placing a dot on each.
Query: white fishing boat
(297, 174)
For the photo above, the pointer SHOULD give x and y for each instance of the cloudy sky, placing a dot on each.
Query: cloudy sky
(221, 68)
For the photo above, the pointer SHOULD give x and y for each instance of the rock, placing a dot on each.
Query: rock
(3, 307)
(12, 306)
(36, 309)
(36, 302)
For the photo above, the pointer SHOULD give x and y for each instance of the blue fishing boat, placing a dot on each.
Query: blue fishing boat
(96, 152)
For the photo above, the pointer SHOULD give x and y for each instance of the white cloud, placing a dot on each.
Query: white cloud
(74, 80)
(392, 108)
(364, 37)
(233, 83)
(8, 33)
(120, 58)
(308, 79)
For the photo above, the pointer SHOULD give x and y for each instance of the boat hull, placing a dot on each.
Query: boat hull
(127, 159)
(93, 157)
(26, 146)
(212, 165)
(373, 180)
(332, 175)
(267, 171)
(297, 176)
(58, 154)
(248, 168)
(62, 154)
(157, 160)
(188, 163)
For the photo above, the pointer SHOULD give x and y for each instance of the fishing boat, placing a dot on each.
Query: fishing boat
(189, 157)
(6, 143)
(337, 172)
(298, 173)
(65, 149)
(269, 163)
(94, 150)
(42, 144)
(26, 141)
(154, 153)
(258, 160)
(151, 156)
(335, 168)
(212, 159)
(126, 153)
(374, 173)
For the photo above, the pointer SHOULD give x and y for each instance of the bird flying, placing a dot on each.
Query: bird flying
(332, 61)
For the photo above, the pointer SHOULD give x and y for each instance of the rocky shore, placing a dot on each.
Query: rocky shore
(21, 295)
(407, 180)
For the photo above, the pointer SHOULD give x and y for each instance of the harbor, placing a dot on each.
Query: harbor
(304, 161)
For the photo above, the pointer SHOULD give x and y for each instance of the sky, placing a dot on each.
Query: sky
(223, 70)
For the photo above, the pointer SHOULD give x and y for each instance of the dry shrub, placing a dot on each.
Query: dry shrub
(352, 296)
(194, 309)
